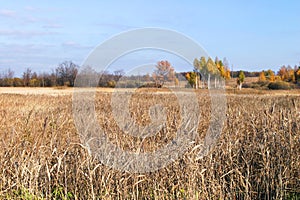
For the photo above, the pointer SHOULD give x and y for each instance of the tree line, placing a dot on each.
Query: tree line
(287, 74)
(66, 73)
(63, 75)
(206, 73)
(208, 70)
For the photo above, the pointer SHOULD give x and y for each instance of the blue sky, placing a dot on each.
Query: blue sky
(252, 35)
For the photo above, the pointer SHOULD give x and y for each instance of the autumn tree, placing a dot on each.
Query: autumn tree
(211, 70)
(205, 68)
(176, 82)
(262, 76)
(200, 69)
(270, 75)
(297, 74)
(34, 80)
(267, 75)
(17, 82)
(291, 74)
(223, 74)
(283, 73)
(164, 72)
(287, 74)
(226, 64)
(223, 69)
(240, 79)
(191, 78)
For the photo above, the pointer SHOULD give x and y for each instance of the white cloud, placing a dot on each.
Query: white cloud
(25, 34)
(24, 49)
(72, 44)
(7, 13)
(52, 25)
(30, 8)
(116, 26)
(31, 19)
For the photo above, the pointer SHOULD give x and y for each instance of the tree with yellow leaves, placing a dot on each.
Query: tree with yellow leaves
(262, 76)
(201, 71)
(287, 73)
(240, 80)
(223, 69)
(191, 78)
(211, 70)
(283, 73)
(270, 75)
(297, 74)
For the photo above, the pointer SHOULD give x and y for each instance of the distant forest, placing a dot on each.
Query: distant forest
(65, 74)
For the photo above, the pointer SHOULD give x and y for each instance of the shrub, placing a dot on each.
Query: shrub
(279, 85)
(151, 85)
(263, 85)
(111, 84)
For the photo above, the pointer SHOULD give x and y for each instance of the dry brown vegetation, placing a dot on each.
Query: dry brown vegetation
(256, 157)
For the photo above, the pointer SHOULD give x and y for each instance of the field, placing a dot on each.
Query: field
(232, 82)
(256, 157)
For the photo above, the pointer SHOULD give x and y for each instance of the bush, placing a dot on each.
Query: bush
(262, 85)
(279, 85)
(151, 85)
(111, 84)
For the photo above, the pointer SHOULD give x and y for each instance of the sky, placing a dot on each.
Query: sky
(252, 35)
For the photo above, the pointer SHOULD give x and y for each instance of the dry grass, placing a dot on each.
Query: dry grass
(251, 92)
(232, 82)
(257, 156)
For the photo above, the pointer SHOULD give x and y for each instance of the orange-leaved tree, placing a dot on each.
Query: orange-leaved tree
(164, 72)
(262, 76)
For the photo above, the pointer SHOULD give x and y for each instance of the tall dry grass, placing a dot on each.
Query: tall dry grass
(256, 157)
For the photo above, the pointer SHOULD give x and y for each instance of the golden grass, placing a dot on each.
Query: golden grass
(257, 156)
(232, 82)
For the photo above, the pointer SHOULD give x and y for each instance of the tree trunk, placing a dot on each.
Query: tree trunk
(215, 82)
(240, 86)
(208, 81)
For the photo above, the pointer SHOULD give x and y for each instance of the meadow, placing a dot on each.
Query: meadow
(256, 157)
